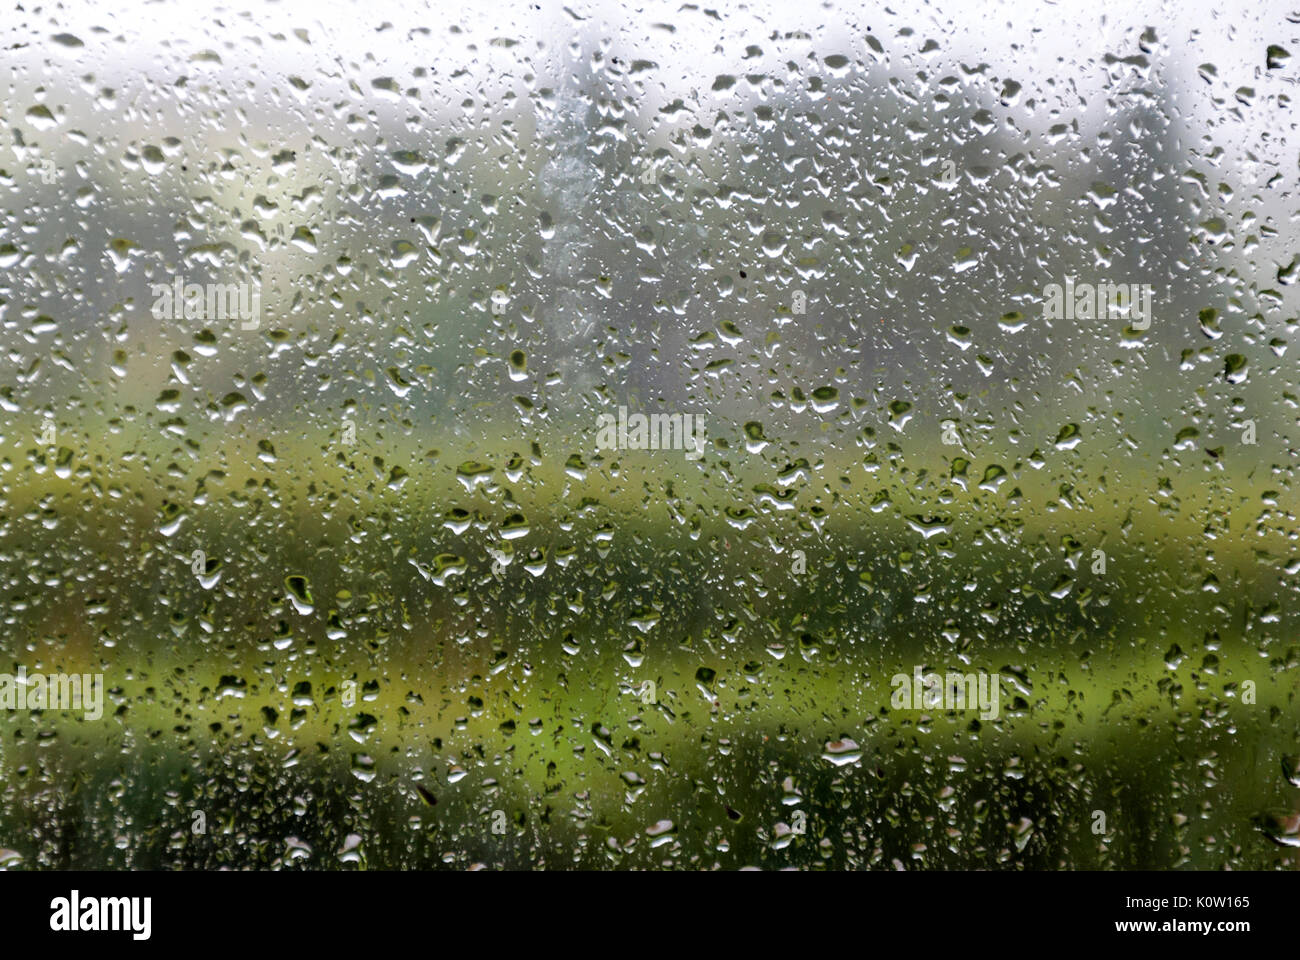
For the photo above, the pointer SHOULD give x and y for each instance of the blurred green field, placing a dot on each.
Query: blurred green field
(518, 691)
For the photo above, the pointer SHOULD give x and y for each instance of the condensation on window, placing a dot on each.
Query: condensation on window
(544, 436)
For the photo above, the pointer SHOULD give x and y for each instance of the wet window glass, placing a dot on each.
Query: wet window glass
(573, 436)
